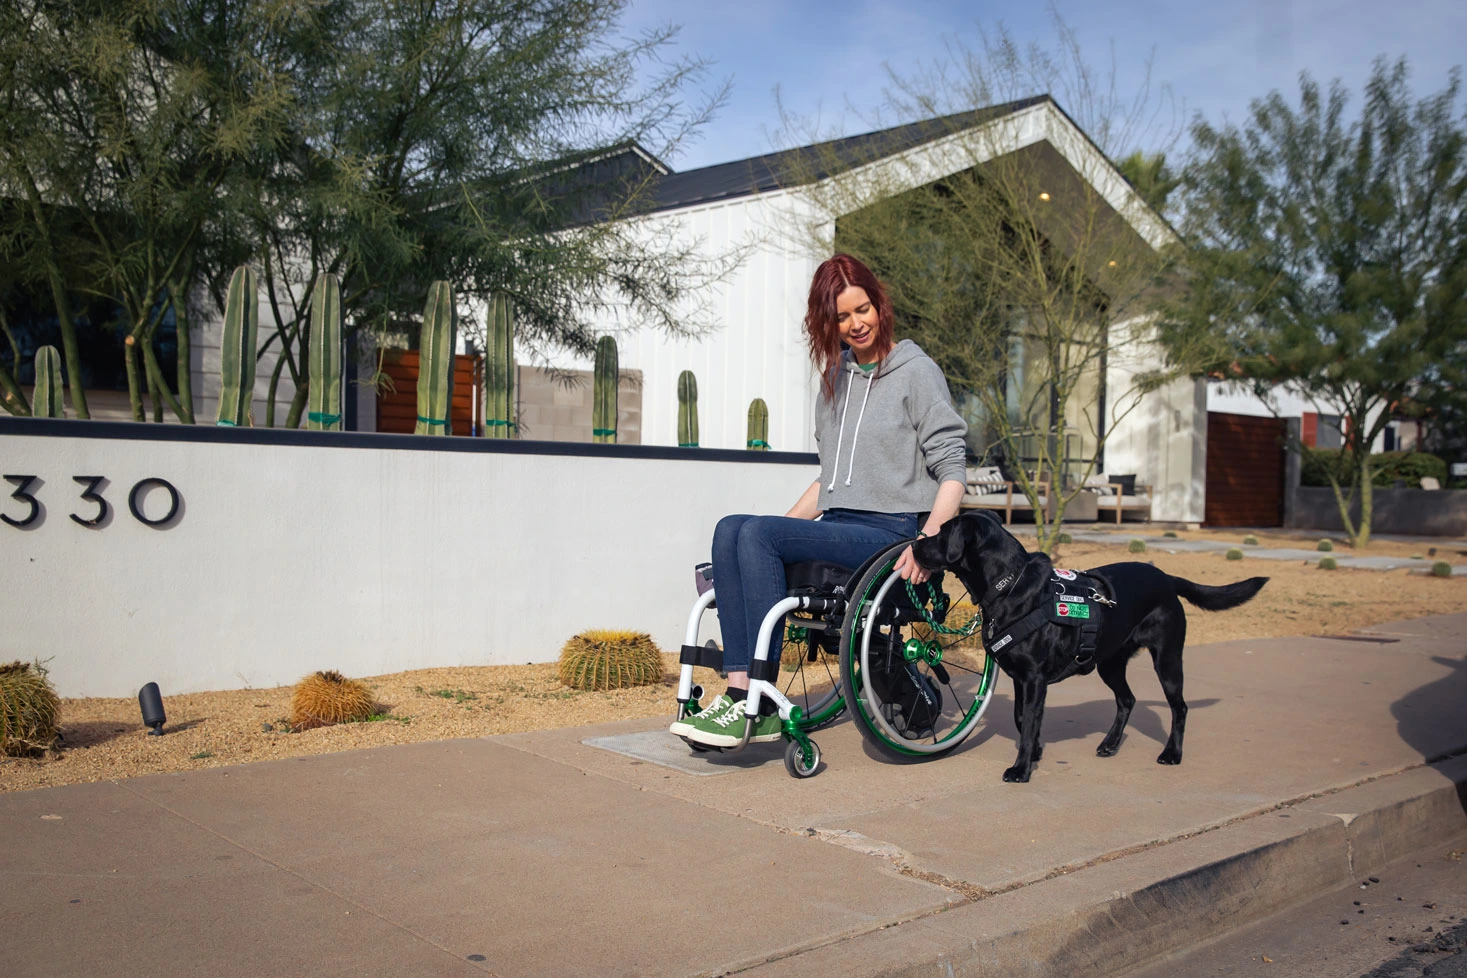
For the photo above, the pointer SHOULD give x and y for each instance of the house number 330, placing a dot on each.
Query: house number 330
(92, 494)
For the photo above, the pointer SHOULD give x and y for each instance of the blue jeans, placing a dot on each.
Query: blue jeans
(750, 554)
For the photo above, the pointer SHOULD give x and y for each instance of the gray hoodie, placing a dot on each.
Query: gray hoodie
(890, 436)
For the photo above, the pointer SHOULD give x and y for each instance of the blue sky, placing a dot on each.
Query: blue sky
(827, 58)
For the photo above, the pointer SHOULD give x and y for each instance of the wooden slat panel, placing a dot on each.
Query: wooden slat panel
(397, 410)
(1245, 470)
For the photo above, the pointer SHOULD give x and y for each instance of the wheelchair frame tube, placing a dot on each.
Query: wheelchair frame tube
(690, 637)
(761, 687)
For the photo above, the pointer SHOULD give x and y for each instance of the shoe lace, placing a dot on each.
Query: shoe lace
(734, 712)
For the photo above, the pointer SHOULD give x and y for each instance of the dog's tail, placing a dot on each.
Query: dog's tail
(1210, 598)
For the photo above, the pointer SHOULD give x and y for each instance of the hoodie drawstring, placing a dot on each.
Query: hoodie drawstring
(845, 409)
(857, 433)
(834, 468)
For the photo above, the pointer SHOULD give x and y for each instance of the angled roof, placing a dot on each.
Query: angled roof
(758, 174)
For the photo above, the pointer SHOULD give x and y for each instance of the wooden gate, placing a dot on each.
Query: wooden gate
(1245, 471)
(397, 409)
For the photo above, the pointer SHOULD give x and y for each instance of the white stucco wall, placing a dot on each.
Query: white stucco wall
(290, 556)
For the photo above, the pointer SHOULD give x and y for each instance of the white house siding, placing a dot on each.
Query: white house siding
(1163, 438)
(758, 348)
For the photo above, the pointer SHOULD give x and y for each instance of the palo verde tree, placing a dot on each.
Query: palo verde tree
(487, 143)
(1015, 254)
(123, 124)
(1327, 254)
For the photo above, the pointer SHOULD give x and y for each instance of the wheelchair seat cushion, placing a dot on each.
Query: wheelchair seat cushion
(816, 577)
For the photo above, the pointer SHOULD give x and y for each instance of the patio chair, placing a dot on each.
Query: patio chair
(1119, 494)
(988, 489)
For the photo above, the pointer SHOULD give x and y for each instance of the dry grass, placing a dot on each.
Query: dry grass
(105, 740)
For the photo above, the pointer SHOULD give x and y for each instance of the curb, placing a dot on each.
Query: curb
(1137, 908)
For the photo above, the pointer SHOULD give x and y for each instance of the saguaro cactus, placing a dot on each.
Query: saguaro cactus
(237, 354)
(48, 401)
(687, 410)
(499, 371)
(435, 361)
(758, 440)
(603, 409)
(324, 404)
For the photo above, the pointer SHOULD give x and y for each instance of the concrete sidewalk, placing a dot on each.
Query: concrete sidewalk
(537, 854)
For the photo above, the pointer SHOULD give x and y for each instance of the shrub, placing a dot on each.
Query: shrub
(1250, 541)
(1328, 563)
(1386, 467)
(1417, 557)
(1137, 546)
(1441, 569)
(1064, 538)
(1235, 554)
(325, 698)
(30, 710)
(1170, 534)
(599, 659)
(1325, 545)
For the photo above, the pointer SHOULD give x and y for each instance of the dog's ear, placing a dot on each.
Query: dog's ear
(960, 532)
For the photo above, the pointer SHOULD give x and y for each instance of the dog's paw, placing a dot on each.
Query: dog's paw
(1016, 775)
(1169, 756)
(1107, 749)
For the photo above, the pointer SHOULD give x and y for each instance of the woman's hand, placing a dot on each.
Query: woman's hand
(909, 569)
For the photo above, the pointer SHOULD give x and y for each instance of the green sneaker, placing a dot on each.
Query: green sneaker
(683, 727)
(726, 729)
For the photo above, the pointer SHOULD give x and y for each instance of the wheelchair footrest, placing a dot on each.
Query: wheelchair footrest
(702, 655)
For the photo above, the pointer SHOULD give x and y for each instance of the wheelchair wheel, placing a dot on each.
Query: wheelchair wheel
(813, 684)
(915, 689)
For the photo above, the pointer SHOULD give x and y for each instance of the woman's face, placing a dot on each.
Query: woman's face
(856, 318)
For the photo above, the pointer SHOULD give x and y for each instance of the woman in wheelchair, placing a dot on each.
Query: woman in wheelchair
(892, 468)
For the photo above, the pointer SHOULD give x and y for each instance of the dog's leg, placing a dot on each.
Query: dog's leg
(1113, 672)
(1019, 721)
(1031, 694)
(1167, 655)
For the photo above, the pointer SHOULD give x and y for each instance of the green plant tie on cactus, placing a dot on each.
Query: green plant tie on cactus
(322, 418)
(432, 420)
(228, 424)
(687, 444)
(757, 443)
(494, 423)
(603, 431)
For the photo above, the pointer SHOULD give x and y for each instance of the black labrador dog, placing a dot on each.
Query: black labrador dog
(1012, 586)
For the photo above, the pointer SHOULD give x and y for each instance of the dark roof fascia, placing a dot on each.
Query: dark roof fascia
(761, 174)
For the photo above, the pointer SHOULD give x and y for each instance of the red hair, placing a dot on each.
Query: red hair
(834, 276)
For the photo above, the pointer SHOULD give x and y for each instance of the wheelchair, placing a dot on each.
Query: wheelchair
(865, 640)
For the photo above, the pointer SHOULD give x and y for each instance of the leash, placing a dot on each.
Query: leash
(973, 625)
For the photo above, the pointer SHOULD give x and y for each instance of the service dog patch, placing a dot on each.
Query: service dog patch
(1071, 608)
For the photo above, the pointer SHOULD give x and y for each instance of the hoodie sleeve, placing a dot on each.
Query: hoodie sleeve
(940, 429)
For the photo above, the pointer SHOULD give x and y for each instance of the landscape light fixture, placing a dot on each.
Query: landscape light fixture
(151, 702)
(1044, 195)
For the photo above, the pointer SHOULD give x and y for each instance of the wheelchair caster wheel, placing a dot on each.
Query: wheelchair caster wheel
(799, 762)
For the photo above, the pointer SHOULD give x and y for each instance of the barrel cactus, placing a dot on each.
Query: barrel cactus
(604, 391)
(30, 710)
(237, 348)
(324, 405)
(499, 370)
(687, 410)
(600, 659)
(435, 363)
(48, 401)
(324, 698)
(758, 439)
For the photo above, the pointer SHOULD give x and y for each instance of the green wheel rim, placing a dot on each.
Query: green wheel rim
(855, 654)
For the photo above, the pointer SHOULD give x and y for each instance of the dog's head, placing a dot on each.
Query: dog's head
(976, 547)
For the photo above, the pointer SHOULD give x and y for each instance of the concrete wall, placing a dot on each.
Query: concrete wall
(1442, 512)
(297, 551)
